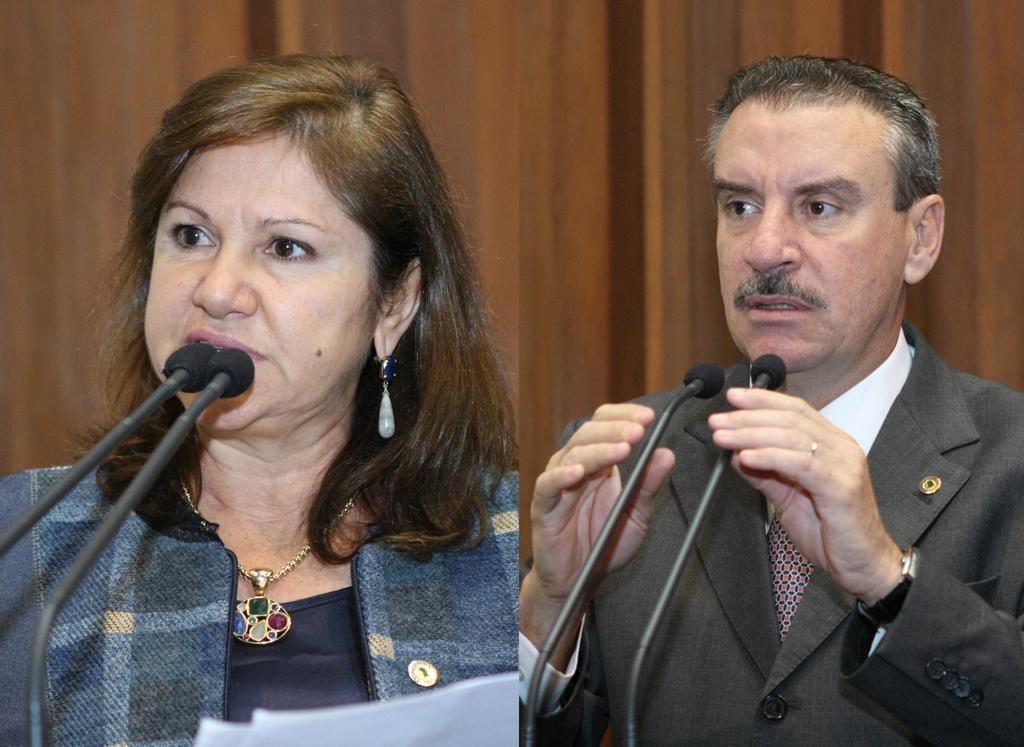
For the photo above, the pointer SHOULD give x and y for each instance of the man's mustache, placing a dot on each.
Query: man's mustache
(776, 284)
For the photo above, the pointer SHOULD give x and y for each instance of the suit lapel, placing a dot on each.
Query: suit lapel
(928, 419)
(731, 544)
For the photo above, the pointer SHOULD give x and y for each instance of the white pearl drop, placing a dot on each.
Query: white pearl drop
(386, 420)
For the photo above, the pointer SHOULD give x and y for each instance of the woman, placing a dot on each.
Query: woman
(343, 530)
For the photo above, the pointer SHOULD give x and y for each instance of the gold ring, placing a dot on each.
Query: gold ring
(814, 447)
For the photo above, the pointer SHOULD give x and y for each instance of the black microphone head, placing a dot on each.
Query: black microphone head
(237, 365)
(193, 360)
(713, 377)
(768, 372)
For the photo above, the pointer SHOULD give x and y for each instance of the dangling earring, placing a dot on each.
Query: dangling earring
(386, 419)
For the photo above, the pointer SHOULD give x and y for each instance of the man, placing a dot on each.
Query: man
(834, 597)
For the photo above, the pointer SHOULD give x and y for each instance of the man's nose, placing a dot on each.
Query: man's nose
(775, 241)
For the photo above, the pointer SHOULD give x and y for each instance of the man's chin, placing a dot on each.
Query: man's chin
(798, 355)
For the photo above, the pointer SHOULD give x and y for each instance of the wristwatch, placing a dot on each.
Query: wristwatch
(884, 611)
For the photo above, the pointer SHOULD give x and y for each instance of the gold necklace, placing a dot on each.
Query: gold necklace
(260, 620)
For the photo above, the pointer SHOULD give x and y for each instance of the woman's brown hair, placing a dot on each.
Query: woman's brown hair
(427, 487)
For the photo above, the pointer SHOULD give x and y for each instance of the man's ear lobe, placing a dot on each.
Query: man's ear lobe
(927, 221)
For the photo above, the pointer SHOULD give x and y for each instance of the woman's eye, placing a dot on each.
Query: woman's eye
(192, 236)
(289, 249)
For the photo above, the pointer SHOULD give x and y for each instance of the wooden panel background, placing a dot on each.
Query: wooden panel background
(571, 131)
(83, 86)
(620, 293)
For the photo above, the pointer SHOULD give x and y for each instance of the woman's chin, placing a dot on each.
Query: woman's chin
(228, 416)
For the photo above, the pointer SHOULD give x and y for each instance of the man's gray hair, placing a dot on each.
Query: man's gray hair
(911, 140)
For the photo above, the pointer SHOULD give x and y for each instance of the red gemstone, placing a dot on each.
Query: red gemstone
(277, 621)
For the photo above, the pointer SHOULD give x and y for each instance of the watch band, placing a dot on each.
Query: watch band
(884, 611)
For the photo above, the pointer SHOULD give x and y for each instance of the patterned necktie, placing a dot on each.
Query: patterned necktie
(791, 572)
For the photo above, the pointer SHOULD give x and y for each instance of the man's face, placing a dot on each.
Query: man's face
(811, 252)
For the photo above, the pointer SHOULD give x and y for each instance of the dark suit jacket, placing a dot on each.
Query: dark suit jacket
(719, 657)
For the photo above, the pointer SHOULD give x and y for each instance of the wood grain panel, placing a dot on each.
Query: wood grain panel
(563, 218)
(997, 189)
(495, 203)
(948, 83)
(788, 27)
(861, 29)
(29, 112)
(628, 342)
(713, 52)
(76, 118)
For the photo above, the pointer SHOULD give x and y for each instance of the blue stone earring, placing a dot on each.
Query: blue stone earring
(386, 419)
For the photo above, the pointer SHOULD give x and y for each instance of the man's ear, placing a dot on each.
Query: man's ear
(398, 313)
(927, 219)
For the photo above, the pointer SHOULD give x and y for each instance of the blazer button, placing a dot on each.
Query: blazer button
(423, 673)
(950, 679)
(935, 669)
(963, 688)
(773, 707)
(975, 698)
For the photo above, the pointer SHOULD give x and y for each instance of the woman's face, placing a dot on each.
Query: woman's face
(253, 252)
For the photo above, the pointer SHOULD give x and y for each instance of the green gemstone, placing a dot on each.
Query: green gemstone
(259, 605)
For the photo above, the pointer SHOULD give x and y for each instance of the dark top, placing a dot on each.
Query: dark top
(319, 663)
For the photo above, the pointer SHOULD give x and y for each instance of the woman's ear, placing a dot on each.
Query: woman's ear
(398, 313)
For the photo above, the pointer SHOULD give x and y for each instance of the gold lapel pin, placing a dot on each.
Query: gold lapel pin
(930, 484)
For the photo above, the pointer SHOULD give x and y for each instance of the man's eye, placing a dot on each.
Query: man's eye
(738, 208)
(192, 236)
(289, 249)
(822, 209)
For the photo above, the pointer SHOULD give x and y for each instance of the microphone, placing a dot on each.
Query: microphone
(704, 380)
(185, 371)
(188, 364)
(228, 373)
(767, 372)
(712, 377)
(232, 370)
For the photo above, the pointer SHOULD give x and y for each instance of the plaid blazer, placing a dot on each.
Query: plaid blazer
(139, 654)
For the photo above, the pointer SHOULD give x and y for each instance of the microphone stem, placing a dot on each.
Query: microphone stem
(116, 516)
(570, 608)
(762, 381)
(74, 475)
(667, 592)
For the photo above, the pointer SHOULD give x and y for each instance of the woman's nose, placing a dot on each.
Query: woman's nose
(225, 286)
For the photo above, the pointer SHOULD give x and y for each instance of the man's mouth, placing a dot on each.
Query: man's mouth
(776, 292)
(774, 306)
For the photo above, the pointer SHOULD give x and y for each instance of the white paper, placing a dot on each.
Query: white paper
(480, 711)
(213, 733)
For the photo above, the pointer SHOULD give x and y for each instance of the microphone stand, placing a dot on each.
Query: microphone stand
(667, 592)
(184, 377)
(570, 608)
(768, 374)
(117, 515)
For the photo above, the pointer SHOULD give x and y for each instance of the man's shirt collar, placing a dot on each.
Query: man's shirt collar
(861, 410)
